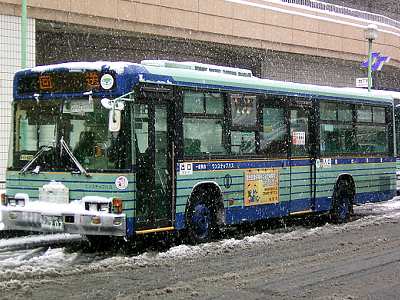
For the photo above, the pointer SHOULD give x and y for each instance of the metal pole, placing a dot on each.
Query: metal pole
(24, 25)
(369, 64)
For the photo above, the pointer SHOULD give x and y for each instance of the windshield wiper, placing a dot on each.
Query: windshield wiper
(42, 150)
(73, 158)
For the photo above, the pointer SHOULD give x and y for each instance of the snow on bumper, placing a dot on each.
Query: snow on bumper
(67, 218)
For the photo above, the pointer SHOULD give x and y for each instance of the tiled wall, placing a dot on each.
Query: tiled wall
(10, 62)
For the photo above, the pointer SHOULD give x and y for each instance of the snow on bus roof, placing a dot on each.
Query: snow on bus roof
(209, 78)
(81, 66)
(382, 93)
(216, 78)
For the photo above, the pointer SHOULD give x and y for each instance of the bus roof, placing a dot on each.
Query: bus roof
(199, 76)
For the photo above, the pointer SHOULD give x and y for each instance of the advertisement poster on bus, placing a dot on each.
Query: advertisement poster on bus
(261, 187)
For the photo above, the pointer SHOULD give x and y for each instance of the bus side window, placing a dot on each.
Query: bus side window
(244, 123)
(203, 124)
(397, 124)
(273, 136)
(299, 132)
(336, 129)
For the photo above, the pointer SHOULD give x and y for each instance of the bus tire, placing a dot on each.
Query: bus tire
(201, 220)
(342, 203)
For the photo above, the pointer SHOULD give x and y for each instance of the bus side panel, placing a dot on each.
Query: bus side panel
(378, 183)
(301, 196)
(374, 181)
(232, 183)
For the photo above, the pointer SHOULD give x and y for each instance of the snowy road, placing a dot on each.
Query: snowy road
(353, 260)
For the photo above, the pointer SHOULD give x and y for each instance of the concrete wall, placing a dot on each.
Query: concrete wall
(388, 8)
(9, 63)
(56, 43)
(250, 23)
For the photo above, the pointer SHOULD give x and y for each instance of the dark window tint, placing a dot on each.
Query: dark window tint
(274, 132)
(244, 110)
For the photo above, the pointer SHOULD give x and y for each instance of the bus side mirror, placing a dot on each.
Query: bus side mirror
(114, 120)
(114, 116)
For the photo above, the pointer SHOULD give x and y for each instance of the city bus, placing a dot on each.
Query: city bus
(121, 149)
(396, 99)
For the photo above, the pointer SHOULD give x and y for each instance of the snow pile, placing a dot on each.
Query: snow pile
(37, 259)
(48, 264)
(34, 240)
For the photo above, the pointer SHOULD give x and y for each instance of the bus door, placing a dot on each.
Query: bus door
(302, 161)
(154, 161)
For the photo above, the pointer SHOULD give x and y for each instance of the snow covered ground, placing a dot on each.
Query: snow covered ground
(38, 260)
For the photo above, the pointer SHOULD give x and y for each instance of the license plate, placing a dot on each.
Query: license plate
(53, 223)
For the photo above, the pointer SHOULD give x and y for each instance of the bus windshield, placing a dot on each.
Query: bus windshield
(81, 123)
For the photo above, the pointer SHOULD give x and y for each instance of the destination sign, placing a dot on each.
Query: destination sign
(67, 82)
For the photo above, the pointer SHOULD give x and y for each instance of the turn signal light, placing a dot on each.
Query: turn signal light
(3, 199)
(117, 205)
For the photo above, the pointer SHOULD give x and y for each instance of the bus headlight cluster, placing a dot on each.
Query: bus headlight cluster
(12, 202)
(20, 202)
(16, 202)
(105, 207)
(92, 206)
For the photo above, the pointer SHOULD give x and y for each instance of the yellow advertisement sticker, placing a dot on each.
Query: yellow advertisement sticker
(261, 186)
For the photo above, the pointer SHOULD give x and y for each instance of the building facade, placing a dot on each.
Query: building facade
(10, 55)
(296, 40)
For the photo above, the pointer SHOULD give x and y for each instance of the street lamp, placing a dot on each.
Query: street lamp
(24, 25)
(371, 33)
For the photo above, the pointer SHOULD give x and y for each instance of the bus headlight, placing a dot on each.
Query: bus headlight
(20, 202)
(105, 207)
(92, 206)
(21, 199)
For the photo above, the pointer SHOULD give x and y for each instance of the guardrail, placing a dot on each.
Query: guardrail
(345, 11)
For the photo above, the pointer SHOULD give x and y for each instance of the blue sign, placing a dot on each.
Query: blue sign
(377, 61)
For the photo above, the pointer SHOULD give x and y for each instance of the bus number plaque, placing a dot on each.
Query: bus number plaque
(45, 82)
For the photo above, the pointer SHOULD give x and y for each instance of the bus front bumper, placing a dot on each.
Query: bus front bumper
(82, 222)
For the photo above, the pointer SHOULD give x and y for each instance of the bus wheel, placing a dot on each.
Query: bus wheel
(201, 221)
(341, 209)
